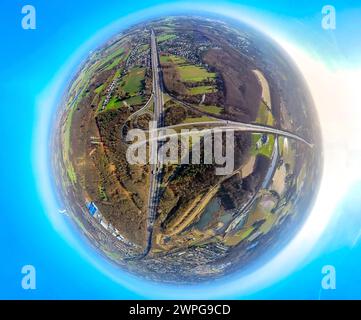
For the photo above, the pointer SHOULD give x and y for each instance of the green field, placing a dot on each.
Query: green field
(172, 59)
(281, 141)
(77, 88)
(246, 233)
(198, 119)
(114, 103)
(115, 62)
(100, 105)
(136, 100)
(165, 37)
(210, 109)
(132, 82)
(99, 89)
(188, 72)
(202, 90)
(266, 149)
(66, 151)
(112, 59)
(194, 73)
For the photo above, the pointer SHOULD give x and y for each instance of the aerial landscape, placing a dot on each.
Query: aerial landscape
(181, 222)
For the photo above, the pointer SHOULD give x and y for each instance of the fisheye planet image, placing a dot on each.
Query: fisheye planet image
(186, 221)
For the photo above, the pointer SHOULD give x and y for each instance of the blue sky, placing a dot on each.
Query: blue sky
(31, 60)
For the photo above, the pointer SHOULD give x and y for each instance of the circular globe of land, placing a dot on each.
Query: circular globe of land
(186, 149)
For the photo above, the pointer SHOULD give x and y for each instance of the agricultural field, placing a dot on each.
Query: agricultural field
(210, 109)
(202, 90)
(198, 119)
(192, 73)
(196, 79)
(165, 37)
(132, 82)
(114, 103)
(265, 149)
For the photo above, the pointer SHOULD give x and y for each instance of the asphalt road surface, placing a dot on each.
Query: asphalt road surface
(156, 169)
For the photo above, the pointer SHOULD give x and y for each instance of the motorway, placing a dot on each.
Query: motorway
(221, 126)
(158, 122)
(241, 126)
